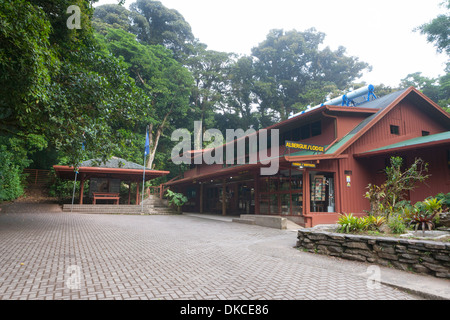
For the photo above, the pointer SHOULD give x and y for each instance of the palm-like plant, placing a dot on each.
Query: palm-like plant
(349, 223)
(423, 213)
(376, 222)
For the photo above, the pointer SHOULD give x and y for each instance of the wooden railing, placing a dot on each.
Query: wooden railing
(157, 191)
(37, 177)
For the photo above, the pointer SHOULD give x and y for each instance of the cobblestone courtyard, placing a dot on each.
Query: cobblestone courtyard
(168, 258)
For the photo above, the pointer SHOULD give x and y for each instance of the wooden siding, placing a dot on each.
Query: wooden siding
(412, 120)
(346, 122)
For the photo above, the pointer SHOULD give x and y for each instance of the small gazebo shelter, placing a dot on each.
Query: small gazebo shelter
(105, 178)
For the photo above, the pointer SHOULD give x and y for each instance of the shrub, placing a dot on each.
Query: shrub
(384, 199)
(396, 224)
(423, 214)
(375, 223)
(445, 201)
(347, 223)
(176, 199)
(350, 223)
(11, 186)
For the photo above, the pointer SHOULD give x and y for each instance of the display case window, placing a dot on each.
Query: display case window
(322, 192)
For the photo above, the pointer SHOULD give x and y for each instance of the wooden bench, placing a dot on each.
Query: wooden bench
(106, 196)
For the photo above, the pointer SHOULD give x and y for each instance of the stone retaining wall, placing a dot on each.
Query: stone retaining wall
(421, 256)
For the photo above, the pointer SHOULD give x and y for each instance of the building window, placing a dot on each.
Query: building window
(316, 129)
(285, 136)
(395, 129)
(305, 132)
(425, 133)
(296, 134)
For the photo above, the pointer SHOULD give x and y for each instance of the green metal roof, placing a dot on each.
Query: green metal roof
(113, 163)
(380, 104)
(416, 141)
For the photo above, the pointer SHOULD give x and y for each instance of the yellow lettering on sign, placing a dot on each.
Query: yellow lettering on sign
(301, 146)
(304, 165)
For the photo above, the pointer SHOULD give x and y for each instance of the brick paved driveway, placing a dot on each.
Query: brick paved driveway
(165, 257)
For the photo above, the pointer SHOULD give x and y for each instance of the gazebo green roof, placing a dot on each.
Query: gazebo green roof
(113, 168)
(114, 162)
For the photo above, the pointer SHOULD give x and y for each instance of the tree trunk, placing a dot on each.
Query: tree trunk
(154, 143)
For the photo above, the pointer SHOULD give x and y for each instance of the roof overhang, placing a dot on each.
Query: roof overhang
(68, 173)
(315, 157)
(226, 172)
(412, 144)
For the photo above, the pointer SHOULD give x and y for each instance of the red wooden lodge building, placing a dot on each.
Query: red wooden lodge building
(312, 187)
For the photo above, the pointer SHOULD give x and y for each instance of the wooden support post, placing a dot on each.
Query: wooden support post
(256, 192)
(129, 192)
(82, 188)
(306, 193)
(201, 197)
(137, 193)
(224, 197)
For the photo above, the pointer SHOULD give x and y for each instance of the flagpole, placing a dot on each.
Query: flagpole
(143, 183)
(147, 151)
(76, 174)
(74, 185)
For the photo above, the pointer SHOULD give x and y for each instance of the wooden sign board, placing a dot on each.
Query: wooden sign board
(304, 146)
(304, 165)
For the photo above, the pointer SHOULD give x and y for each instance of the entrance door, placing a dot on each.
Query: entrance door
(281, 194)
(246, 198)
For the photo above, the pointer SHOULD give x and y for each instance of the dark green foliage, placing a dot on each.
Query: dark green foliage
(437, 31)
(445, 201)
(437, 89)
(289, 66)
(176, 199)
(26, 62)
(10, 176)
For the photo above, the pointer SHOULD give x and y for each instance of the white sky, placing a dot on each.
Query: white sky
(377, 32)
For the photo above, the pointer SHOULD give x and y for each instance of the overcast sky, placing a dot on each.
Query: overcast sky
(377, 32)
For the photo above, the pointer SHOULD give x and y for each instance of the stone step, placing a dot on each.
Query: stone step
(276, 222)
(119, 209)
(246, 221)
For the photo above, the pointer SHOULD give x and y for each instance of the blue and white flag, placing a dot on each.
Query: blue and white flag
(147, 144)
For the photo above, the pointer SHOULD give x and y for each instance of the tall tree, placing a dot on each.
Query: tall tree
(27, 60)
(437, 31)
(118, 17)
(210, 70)
(242, 99)
(287, 63)
(167, 27)
(429, 86)
(164, 80)
(57, 85)
(56, 89)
